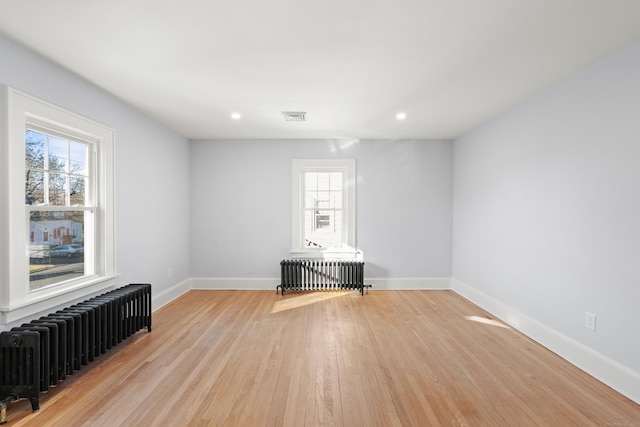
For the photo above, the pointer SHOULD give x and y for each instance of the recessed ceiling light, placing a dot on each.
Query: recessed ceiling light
(401, 116)
(235, 116)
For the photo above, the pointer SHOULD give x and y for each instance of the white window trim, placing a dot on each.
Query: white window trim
(18, 301)
(348, 167)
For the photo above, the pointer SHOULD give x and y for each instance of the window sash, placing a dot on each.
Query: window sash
(69, 174)
(89, 225)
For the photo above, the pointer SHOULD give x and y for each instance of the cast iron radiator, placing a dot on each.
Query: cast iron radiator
(311, 275)
(39, 354)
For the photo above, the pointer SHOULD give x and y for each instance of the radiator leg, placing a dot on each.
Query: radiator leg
(35, 404)
(3, 408)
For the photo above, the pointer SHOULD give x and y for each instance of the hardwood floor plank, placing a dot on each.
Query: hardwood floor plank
(256, 358)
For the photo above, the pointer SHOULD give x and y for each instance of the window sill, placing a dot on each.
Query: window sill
(350, 253)
(56, 296)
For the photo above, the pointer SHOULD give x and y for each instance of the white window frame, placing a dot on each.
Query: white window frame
(18, 301)
(348, 168)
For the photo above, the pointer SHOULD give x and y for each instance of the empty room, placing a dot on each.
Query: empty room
(362, 213)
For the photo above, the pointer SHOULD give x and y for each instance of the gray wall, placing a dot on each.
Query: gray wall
(152, 169)
(547, 208)
(241, 205)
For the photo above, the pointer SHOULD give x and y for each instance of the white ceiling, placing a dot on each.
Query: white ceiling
(350, 64)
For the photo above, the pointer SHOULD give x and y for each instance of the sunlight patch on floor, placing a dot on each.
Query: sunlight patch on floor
(486, 321)
(306, 299)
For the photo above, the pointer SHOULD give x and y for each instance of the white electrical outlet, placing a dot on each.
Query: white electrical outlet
(590, 321)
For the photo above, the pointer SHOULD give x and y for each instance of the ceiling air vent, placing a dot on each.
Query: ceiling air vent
(294, 116)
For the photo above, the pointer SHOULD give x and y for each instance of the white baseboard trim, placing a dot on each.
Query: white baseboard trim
(405, 284)
(615, 375)
(168, 295)
(235, 283)
(427, 283)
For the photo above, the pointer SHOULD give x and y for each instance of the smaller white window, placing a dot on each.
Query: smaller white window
(323, 208)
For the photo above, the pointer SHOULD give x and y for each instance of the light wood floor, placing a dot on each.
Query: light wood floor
(390, 358)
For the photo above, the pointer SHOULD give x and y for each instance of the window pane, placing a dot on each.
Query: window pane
(308, 222)
(323, 181)
(58, 154)
(336, 181)
(34, 187)
(79, 153)
(310, 181)
(56, 247)
(309, 199)
(77, 185)
(336, 200)
(322, 200)
(338, 215)
(35, 149)
(57, 189)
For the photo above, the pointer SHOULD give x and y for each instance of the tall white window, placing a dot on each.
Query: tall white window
(323, 207)
(58, 227)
